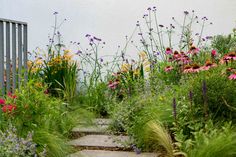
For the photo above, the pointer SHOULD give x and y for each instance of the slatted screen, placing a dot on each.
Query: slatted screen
(13, 55)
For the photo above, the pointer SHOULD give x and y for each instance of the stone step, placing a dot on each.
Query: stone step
(100, 121)
(80, 131)
(102, 142)
(103, 153)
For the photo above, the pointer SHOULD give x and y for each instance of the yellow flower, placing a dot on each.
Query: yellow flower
(38, 61)
(125, 67)
(34, 70)
(68, 56)
(143, 55)
(29, 64)
(136, 72)
(66, 51)
(39, 84)
(147, 69)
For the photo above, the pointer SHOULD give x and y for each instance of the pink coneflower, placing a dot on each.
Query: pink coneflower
(193, 50)
(208, 65)
(231, 56)
(168, 51)
(188, 69)
(232, 76)
(113, 85)
(196, 68)
(168, 68)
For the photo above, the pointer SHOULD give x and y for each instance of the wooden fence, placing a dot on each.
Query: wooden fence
(13, 54)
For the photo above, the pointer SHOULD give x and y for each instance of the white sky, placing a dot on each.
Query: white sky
(110, 20)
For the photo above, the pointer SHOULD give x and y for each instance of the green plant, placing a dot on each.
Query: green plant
(224, 43)
(215, 142)
(11, 145)
(160, 135)
(217, 95)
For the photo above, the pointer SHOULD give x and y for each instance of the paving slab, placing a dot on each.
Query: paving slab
(94, 129)
(80, 131)
(99, 121)
(106, 142)
(102, 121)
(103, 153)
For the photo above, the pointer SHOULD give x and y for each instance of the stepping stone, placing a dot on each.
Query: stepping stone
(104, 142)
(88, 130)
(103, 153)
(100, 121)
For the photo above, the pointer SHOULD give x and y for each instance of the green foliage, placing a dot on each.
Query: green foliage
(13, 146)
(220, 93)
(214, 142)
(60, 74)
(132, 114)
(157, 132)
(49, 118)
(224, 44)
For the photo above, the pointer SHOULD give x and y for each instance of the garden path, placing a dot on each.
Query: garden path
(96, 141)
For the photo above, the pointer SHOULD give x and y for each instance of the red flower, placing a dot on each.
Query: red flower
(213, 53)
(8, 108)
(2, 102)
(10, 95)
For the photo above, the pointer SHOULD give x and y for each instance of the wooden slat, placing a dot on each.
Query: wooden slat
(25, 45)
(19, 54)
(8, 57)
(14, 55)
(2, 57)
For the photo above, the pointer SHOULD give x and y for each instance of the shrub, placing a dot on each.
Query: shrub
(219, 93)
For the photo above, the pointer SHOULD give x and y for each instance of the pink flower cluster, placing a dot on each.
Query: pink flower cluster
(113, 84)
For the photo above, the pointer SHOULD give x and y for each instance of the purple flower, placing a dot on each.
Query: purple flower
(149, 8)
(87, 35)
(190, 96)
(174, 108)
(186, 12)
(101, 59)
(137, 151)
(140, 33)
(79, 52)
(98, 39)
(55, 13)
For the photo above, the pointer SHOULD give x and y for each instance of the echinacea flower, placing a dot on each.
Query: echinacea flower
(168, 51)
(208, 65)
(168, 68)
(232, 76)
(188, 69)
(193, 50)
(196, 68)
